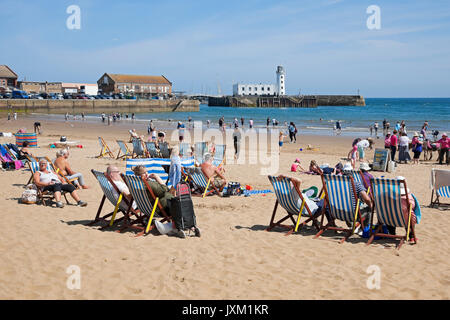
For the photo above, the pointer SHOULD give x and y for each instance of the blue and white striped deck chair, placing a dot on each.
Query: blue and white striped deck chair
(155, 165)
(34, 166)
(201, 183)
(338, 199)
(185, 149)
(126, 153)
(219, 155)
(284, 188)
(138, 149)
(107, 187)
(440, 185)
(199, 151)
(151, 149)
(388, 206)
(145, 200)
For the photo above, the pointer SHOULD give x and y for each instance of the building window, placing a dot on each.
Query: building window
(282, 81)
(249, 88)
(256, 89)
(262, 88)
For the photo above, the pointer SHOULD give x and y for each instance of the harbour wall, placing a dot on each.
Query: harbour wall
(287, 101)
(73, 106)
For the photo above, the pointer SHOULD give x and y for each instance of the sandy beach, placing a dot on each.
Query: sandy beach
(235, 258)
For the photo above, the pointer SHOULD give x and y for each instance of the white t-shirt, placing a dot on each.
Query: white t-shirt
(124, 190)
(403, 141)
(311, 204)
(363, 144)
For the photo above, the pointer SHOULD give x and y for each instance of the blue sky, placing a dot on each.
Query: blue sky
(324, 45)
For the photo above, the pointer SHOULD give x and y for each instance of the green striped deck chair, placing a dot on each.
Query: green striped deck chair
(200, 183)
(140, 191)
(338, 199)
(123, 148)
(151, 150)
(104, 149)
(164, 150)
(107, 186)
(185, 149)
(138, 149)
(283, 188)
(440, 185)
(219, 155)
(388, 206)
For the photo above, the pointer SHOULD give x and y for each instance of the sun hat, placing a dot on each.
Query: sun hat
(347, 167)
(416, 134)
(297, 160)
(364, 166)
(444, 134)
(163, 228)
(311, 192)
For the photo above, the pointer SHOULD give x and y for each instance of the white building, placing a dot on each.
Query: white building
(263, 89)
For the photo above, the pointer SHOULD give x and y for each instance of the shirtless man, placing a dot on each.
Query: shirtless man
(212, 172)
(62, 164)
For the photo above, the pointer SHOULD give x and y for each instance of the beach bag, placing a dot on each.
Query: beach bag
(62, 139)
(29, 196)
(366, 231)
(182, 209)
(233, 189)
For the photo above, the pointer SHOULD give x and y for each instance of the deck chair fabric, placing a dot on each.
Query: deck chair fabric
(283, 189)
(108, 187)
(42, 196)
(151, 149)
(155, 165)
(138, 149)
(184, 149)
(200, 149)
(164, 150)
(104, 149)
(440, 185)
(200, 183)
(342, 202)
(123, 148)
(219, 155)
(388, 207)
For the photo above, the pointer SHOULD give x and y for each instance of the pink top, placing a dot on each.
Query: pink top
(394, 140)
(294, 167)
(445, 143)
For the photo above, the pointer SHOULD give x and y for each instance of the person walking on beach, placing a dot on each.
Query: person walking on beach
(82, 116)
(375, 126)
(15, 115)
(371, 129)
(444, 149)
(403, 152)
(280, 141)
(37, 127)
(242, 122)
(291, 130)
(235, 123)
(67, 116)
(268, 122)
(250, 123)
(237, 142)
(189, 122)
(9, 116)
(208, 123)
(181, 128)
(103, 117)
(394, 144)
(417, 147)
(338, 127)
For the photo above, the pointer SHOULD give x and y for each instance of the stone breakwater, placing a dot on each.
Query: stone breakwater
(97, 106)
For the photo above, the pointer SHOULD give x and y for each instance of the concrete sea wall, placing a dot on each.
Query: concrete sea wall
(97, 106)
(340, 100)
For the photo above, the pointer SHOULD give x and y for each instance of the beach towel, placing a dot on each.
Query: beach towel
(417, 211)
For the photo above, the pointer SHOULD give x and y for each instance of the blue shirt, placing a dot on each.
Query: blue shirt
(175, 171)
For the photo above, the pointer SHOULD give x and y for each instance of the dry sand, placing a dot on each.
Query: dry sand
(234, 259)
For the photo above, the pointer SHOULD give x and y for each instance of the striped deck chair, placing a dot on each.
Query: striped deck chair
(338, 199)
(123, 148)
(14, 156)
(200, 183)
(440, 185)
(155, 165)
(138, 148)
(219, 155)
(107, 186)
(151, 150)
(140, 190)
(185, 149)
(164, 149)
(42, 196)
(54, 169)
(388, 205)
(282, 187)
(104, 149)
(200, 149)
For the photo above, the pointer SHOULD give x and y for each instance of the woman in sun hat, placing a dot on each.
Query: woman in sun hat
(417, 147)
(296, 167)
(365, 168)
(403, 145)
(444, 149)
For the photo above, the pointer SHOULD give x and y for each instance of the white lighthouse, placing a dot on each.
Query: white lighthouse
(281, 81)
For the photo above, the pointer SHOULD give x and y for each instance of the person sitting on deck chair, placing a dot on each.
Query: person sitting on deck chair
(158, 187)
(114, 174)
(62, 164)
(24, 151)
(212, 172)
(49, 181)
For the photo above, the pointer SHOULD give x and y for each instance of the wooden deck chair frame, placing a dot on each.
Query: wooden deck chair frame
(128, 205)
(355, 212)
(200, 186)
(124, 149)
(393, 219)
(290, 215)
(436, 193)
(140, 220)
(105, 149)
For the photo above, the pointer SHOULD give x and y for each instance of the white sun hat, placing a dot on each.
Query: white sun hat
(364, 166)
(347, 167)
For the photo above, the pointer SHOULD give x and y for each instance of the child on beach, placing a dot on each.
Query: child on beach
(296, 167)
(280, 140)
(354, 155)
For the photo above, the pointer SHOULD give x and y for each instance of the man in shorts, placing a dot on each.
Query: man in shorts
(212, 172)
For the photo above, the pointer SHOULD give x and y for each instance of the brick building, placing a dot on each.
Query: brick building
(40, 87)
(8, 78)
(139, 85)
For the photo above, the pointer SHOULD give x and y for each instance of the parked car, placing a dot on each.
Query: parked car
(19, 94)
